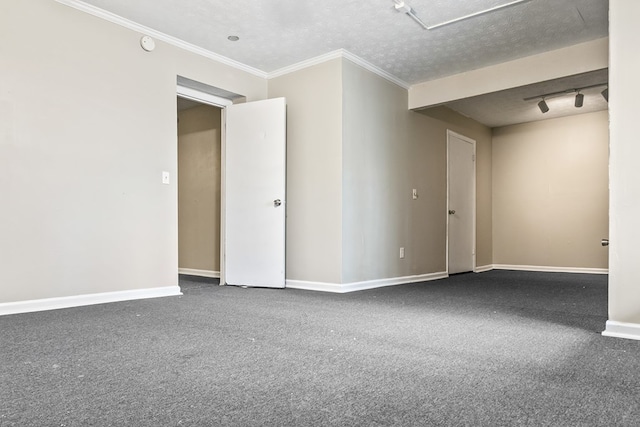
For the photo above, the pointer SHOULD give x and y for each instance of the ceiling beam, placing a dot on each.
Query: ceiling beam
(576, 59)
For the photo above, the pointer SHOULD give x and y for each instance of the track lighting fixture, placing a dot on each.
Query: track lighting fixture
(579, 101)
(542, 105)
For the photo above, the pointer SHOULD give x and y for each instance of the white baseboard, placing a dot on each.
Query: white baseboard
(551, 269)
(88, 299)
(483, 268)
(342, 288)
(201, 273)
(622, 330)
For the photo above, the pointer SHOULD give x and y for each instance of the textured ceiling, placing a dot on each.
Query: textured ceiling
(275, 34)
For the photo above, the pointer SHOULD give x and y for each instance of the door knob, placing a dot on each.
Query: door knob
(605, 242)
(276, 203)
(452, 211)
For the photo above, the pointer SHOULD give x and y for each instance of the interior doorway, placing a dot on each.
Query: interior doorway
(252, 185)
(199, 187)
(461, 203)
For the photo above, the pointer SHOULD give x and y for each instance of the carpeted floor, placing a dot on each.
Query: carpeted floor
(492, 349)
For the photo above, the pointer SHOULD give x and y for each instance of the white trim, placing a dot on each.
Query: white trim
(223, 195)
(451, 133)
(340, 53)
(88, 299)
(360, 286)
(200, 273)
(622, 330)
(548, 269)
(483, 268)
(126, 23)
(314, 286)
(374, 69)
(199, 96)
(306, 63)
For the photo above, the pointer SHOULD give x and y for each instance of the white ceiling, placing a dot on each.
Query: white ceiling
(275, 34)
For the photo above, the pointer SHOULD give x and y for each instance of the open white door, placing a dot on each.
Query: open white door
(461, 180)
(253, 203)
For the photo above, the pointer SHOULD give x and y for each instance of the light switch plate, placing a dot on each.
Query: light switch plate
(166, 178)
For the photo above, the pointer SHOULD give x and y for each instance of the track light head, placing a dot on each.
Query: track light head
(605, 94)
(542, 105)
(579, 100)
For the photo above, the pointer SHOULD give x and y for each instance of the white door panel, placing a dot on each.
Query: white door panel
(254, 184)
(461, 203)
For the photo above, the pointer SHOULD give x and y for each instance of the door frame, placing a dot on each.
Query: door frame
(216, 101)
(450, 134)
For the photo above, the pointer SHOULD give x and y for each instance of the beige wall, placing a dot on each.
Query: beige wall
(388, 151)
(88, 125)
(314, 170)
(199, 140)
(550, 192)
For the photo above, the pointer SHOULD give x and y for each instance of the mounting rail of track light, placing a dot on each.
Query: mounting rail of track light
(542, 105)
(401, 6)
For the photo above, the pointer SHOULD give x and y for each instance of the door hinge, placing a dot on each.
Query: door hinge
(473, 157)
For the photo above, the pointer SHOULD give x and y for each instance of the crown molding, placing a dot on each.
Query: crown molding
(126, 23)
(374, 69)
(340, 53)
(306, 63)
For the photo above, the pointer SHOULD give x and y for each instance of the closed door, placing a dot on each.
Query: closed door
(461, 203)
(254, 178)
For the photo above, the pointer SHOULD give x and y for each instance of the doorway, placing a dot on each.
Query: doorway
(252, 186)
(461, 203)
(199, 164)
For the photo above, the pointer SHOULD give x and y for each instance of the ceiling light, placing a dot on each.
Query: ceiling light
(605, 94)
(233, 38)
(579, 100)
(543, 106)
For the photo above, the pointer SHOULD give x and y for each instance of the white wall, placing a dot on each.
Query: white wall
(624, 173)
(88, 125)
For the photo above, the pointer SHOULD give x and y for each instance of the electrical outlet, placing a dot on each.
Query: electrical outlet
(401, 253)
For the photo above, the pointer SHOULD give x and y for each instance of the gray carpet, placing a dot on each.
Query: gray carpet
(493, 349)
